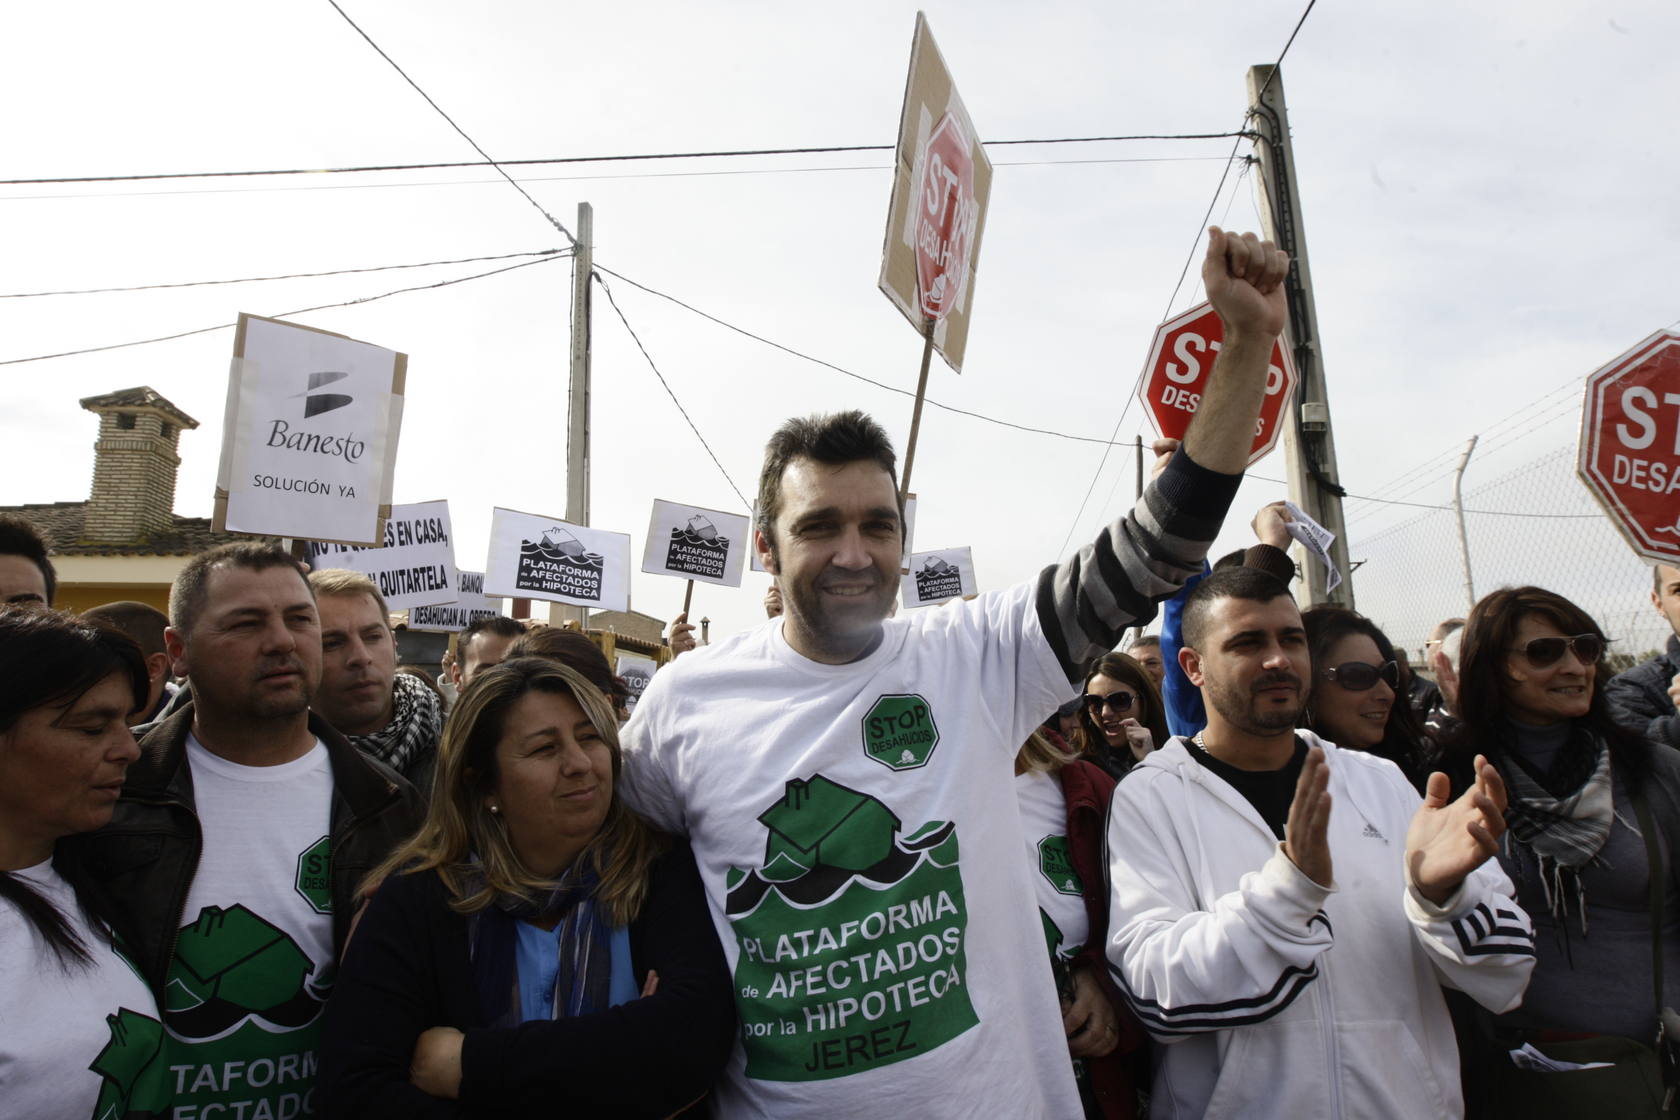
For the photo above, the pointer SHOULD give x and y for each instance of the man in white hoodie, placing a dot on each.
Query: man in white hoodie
(1284, 912)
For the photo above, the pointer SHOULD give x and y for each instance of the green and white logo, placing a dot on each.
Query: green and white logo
(851, 937)
(1055, 863)
(314, 875)
(899, 732)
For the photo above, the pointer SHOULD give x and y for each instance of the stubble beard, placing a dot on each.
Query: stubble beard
(1238, 709)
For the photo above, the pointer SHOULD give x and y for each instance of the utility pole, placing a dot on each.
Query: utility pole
(1308, 443)
(577, 396)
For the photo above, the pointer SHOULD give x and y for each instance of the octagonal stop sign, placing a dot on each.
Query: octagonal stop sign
(1629, 455)
(946, 214)
(1175, 378)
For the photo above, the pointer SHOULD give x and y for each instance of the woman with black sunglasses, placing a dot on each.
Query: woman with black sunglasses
(1592, 846)
(1121, 717)
(1356, 679)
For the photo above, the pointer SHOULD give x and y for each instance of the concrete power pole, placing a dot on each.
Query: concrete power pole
(1307, 443)
(577, 396)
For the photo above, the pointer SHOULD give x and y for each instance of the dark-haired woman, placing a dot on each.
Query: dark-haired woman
(536, 949)
(1356, 696)
(1592, 846)
(78, 1027)
(1122, 718)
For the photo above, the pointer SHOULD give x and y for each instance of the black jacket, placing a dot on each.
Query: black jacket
(1639, 699)
(136, 871)
(409, 969)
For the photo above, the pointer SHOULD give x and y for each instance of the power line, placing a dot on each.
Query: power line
(287, 276)
(586, 178)
(605, 287)
(284, 314)
(625, 158)
(841, 369)
(555, 222)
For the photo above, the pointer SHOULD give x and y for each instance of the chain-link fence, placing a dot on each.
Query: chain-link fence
(1534, 523)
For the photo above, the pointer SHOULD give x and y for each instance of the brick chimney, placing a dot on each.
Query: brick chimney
(134, 464)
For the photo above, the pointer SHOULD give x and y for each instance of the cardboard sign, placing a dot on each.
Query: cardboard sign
(470, 605)
(938, 576)
(537, 557)
(415, 568)
(694, 543)
(637, 672)
(1629, 453)
(941, 184)
(309, 438)
(909, 535)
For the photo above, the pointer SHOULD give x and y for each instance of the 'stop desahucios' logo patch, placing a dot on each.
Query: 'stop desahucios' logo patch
(899, 732)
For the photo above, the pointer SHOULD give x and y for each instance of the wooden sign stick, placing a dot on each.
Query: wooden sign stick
(688, 597)
(916, 416)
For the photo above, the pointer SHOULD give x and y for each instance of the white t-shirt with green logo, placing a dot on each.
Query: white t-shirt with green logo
(76, 1041)
(1059, 890)
(857, 830)
(254, 962)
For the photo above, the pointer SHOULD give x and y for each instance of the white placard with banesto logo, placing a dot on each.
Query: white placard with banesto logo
(691, 542)
(415, 568)
(637, 672)
(945, 573)
(909, 534)
(470, 605)
(310, 434)
(537, 557)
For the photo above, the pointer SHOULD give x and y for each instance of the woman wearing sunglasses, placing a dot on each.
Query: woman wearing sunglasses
(1592, 847)
(1121, 719)
(1356, 683)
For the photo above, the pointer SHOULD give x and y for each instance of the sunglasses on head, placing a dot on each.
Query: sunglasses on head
(1357, 676)
(1542, 652)
(1119, 701)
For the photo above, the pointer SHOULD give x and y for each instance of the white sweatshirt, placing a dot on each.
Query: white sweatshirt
(1274, 996)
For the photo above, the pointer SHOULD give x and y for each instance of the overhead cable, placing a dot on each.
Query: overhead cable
(607, 288)
(555, 222)
(284, 314)
(624, 158)
(286, 276)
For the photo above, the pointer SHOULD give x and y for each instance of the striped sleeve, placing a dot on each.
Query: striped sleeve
(1086, 601)
(1481, 942)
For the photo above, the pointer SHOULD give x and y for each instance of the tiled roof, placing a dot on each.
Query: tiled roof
(141, 396)
(61, 524)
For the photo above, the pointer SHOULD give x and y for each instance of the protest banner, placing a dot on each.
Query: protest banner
(309, 434)
(1629, 452)
(941, 184)
(694, 543)
(637, 671)
(416, 566)
(470, 605)
(934, 577)
(538, 557)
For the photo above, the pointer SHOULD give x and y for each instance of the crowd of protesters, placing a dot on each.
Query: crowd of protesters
(978, 861)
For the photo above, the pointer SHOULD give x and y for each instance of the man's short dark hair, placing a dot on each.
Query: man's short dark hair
(1145, 640)
(499, 625)
(140, 621)
(1250, 584)
(188, 593)
(835, 439)
(20, 538)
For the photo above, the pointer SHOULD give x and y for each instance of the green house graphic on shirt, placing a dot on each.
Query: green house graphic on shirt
(234, 956)
(821, 823)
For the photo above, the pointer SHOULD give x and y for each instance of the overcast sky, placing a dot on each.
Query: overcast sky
(1489, 195)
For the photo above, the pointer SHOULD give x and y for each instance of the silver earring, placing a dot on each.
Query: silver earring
(495, 808)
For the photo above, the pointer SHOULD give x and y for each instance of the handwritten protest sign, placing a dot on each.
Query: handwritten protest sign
(539, 557)
(946, 573)
(695, 543)
(470, 605)
(416, 566)
(309, 438)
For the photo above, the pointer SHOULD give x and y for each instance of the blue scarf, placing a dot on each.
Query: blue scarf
(585, 945)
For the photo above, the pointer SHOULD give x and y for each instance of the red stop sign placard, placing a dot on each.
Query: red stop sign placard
(1176, 376)
(946, 213)
(1629, 455)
